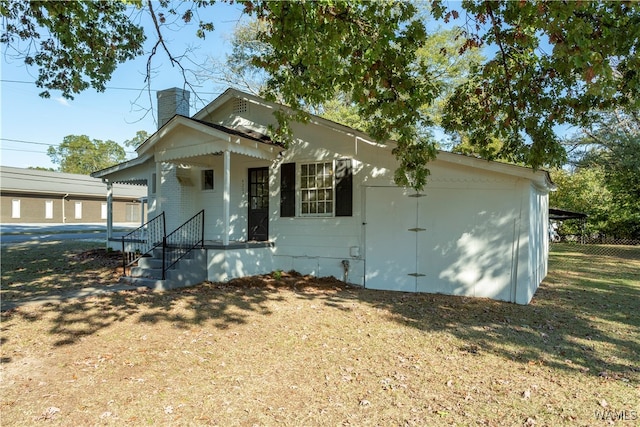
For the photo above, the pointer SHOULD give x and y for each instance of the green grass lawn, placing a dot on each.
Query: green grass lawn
(304, 351)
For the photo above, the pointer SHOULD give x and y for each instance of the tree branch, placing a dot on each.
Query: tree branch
(505, 66)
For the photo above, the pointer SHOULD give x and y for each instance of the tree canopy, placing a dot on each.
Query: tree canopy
(82, 155)
(548, 63)
(605, 180)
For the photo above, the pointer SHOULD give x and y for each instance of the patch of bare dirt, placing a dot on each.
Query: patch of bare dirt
(291, 279)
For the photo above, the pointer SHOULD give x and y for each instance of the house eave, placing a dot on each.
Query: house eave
(539, 178)
(110, 174)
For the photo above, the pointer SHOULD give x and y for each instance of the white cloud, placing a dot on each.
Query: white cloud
(63, 101)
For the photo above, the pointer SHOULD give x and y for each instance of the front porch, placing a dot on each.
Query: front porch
(153, 258)
(191, 165)
(213, 262)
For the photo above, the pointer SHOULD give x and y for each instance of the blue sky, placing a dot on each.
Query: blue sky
(25, 116)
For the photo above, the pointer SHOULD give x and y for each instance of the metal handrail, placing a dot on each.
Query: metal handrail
(181, 241)
(142, 241)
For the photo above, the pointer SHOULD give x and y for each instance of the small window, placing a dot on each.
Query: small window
(48, 209)
(316, 187)
(207, 179)
(78, 211)
(103, 211)
(153, 183)
(15, 208)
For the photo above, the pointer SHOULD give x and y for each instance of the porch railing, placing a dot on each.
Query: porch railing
(182, 240)
(142, 241)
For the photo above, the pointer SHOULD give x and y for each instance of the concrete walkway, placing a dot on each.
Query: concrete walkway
(51, 228)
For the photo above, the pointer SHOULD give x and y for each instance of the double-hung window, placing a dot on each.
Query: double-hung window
(316, 189)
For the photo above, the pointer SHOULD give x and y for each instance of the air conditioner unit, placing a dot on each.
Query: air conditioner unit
(183, 175)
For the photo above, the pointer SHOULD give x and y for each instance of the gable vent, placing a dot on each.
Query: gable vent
(239, 106)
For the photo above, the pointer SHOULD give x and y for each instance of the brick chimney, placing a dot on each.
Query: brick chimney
(171, 102)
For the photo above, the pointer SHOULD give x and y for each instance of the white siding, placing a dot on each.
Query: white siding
(484, 226)
(462, 237)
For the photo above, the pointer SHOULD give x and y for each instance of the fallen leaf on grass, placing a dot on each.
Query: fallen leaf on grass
(49, 413)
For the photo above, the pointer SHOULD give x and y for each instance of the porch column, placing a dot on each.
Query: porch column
(226, 198)
(143, 201)
(109, 211)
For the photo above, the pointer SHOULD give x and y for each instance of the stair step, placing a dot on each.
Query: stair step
(153, 284)
(149, 262)
(190, 270)
(150, 273)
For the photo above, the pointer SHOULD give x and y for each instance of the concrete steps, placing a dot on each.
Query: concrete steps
(189, 271)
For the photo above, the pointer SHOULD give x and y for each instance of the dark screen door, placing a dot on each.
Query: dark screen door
(259, 204)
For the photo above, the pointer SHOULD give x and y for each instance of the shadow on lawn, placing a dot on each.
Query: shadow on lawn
(40, 269)
(577, 324)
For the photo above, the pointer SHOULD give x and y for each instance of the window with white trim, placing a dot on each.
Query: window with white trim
(48, 209)
(316, 188)
(78, 210)
(15, 208)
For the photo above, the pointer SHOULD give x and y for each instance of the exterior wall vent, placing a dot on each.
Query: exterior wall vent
(240, 106)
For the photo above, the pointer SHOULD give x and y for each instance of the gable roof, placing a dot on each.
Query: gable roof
(252, 143)
(240, 131)
(540, 178)
(231, 93)
(244, 142)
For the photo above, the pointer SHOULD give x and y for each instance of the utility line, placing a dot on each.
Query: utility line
(106, 87)
(27, 142)
(24, 151)
(36, 143)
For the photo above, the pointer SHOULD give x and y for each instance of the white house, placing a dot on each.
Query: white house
(327, 205)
